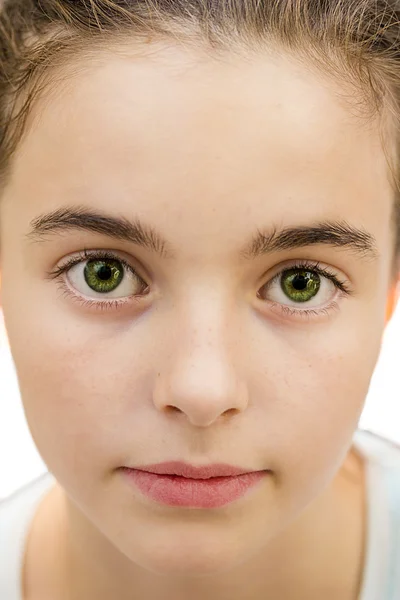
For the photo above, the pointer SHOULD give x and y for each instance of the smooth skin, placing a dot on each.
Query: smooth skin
(203, 368)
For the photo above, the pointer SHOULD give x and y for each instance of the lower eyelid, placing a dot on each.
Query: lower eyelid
(292, 314)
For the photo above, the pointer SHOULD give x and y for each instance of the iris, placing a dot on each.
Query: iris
(300, 286)
(103, 276)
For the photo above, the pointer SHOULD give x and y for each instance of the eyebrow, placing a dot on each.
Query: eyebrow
(339, 234)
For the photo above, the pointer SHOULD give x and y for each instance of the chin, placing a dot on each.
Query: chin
(191, 558)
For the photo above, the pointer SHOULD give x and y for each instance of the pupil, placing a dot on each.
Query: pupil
(104, 273)
(300, 282)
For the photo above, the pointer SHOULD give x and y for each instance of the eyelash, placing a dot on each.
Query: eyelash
(58, 273)
(314, 266)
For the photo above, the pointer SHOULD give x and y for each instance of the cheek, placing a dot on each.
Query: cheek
(320, 393)
(77, 386)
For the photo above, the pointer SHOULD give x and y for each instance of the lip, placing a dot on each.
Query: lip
(181, 484)
(183, 469)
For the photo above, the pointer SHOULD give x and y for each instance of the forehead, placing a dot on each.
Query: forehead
(265, 132)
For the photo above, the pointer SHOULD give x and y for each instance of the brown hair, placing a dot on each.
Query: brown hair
(357, 41)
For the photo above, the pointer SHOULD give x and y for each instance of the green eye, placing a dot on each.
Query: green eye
(103, 276)
(300, 285)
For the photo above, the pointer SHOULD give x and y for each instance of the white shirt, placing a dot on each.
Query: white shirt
(381, 578)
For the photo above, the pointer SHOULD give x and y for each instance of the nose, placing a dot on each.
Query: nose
(200, 382)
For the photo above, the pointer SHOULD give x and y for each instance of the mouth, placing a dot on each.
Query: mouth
(180, 484)
(183, 469)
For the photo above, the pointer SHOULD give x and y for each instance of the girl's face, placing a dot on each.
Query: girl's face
(206, 182)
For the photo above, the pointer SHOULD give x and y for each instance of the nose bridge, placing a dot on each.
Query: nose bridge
(200, 378)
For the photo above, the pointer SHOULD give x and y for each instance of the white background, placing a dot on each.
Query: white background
(20, 461)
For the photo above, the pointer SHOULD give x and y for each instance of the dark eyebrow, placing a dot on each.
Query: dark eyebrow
(338, 234)
(80, 218)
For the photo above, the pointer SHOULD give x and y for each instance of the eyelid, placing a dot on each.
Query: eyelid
(60, 274)
(314, 265)
(343, 287)
(86, 254)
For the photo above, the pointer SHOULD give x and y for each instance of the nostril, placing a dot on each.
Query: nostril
(230, 412)
(171, 409)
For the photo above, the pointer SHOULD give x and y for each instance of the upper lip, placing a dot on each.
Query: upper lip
(191, 472)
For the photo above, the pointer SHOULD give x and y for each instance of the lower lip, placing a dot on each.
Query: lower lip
(173, 490)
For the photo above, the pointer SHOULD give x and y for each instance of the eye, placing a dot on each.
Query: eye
(304, 286)
(100, 276)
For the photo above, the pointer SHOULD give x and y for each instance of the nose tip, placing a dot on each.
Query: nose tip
(201, 403)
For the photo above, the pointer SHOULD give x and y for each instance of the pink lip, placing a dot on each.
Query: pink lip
(180, 484)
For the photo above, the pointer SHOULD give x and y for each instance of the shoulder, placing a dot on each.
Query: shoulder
(378, 450)
(382, 459)
(16, 514)
(25, 495)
